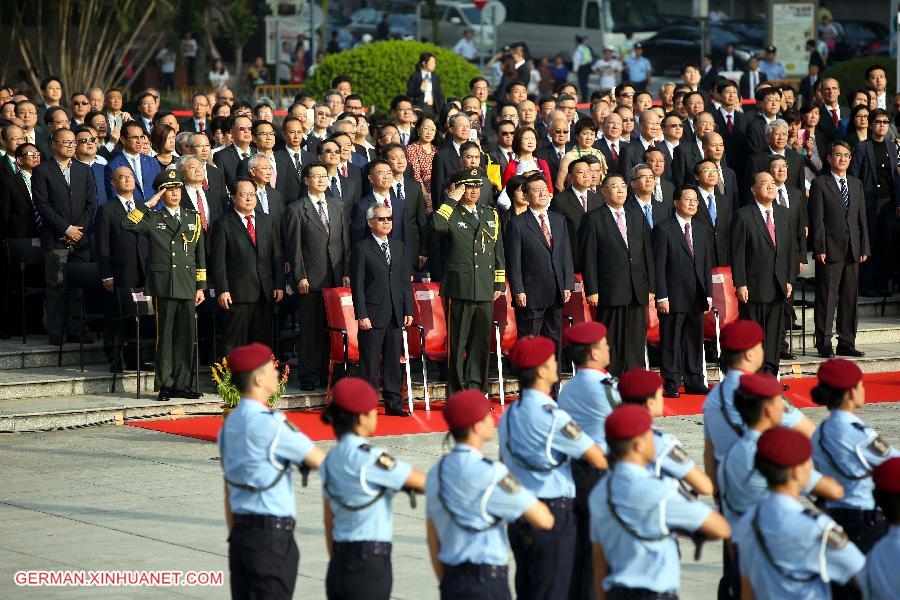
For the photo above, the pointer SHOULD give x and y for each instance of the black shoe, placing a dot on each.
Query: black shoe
(788, 355)
(671, 395)
(700, 389)
(116, 367)
(164, 395)
(56, 340)
(849, 351)
(826, 352)
(797, 327)
(396, 411)
(187, 393)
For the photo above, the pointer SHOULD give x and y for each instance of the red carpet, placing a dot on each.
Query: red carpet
(880, 387)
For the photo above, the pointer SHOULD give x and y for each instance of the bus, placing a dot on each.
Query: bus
(550, 26)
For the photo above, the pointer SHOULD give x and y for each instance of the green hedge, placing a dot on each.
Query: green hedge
(851, 74)
(379, 71)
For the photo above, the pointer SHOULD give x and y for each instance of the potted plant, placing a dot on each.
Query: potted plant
(225, 388)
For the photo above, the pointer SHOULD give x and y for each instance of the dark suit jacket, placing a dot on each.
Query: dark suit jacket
(414, 90)
(863, 166)
(414, 206)
(622, 166)
(759, 161)
(240, 268)
(668, 190)
(797, 207)
(838, 233)
(567, 204)
(276, 206)
(189, 125)
(217, 191)
(744, 84)
(445, 163)
(351, 192)
(144, 190)
(807, 90)
(826, 127)
(548, 153)
(619, 274)
(99, 173)
(667, 174)
(227, 161)
(319, 255)
(16, 208)
(289, 182)
(61, 204)
(735, 142)
(683, 278)
(687, 154)
(755, 134)
(379, 291)
(212, 217)
(531, 264)
(660, 211)
(718, 235)
(635, 151)
(404, 229)
(120, 254)
(764, 268)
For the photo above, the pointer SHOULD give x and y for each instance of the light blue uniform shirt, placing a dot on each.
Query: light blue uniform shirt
(846, 449)
(256, 444)
(638, 69)
(671, 460)
(481, 495)
(773, 71)
(802, 545)
(722, 422)
(353, 475)
(651, 507)
(536, 440)
(741, 486)
(589, 398)
(880, 580)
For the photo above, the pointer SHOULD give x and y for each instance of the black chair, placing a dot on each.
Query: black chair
(131, 303)
(85, 277)
(25, 252)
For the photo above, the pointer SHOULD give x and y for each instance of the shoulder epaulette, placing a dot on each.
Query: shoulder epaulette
(135, 216)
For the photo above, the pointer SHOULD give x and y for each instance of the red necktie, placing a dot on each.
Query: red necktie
(510, 155)
(344, 170)
(251, 229)
(730, 124)
(205, 185)
(202, 211)
(546, 231)
(202, 127)
(770, 225)
(387, 202)
(615, 155)
(834, 115)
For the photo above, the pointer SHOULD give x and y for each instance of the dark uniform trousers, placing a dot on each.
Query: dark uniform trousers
(469, 327)
(174, 342)
(585, 477)
(315, 345)
(263, 563)
(682, 351)
(359, 571)
(837, 284)
(626, 334)
(475, 582)
(540, 321)
(374, 344)
(248, 322)
(770, 316)
(545, 559)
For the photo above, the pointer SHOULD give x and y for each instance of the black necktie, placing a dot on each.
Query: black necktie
(386, 252)
(400, 191)
(297, 164)
(335, 190)
(845, 193)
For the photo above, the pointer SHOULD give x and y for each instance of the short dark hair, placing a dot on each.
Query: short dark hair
(475, 80)
(697, 166)
(749, 406)
(52, 110)
(775, 475)
(584, 123)
(618, 448)
(233, 119)
(877, 67)
(306, 169)
(23, 148)
(578, 161)
(341, 421)
(51, 78)
(825, 395)
(527, 378)
(465, 146)
(836, 143)
(519, 136)
(650, 150)
(242, 380)
(241, 179)
(389, 148)
(577, 353)
(688, 65)
(513, 84)
(676, 195)
(254, 127)
(398, 99)
(133, 124)
(339, 80)
(725, 84)
(766, 92)
(621, 88)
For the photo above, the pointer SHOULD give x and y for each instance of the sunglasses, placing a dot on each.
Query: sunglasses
(90, 140)
(383, 219)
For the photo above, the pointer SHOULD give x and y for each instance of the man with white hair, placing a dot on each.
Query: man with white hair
(269, 199)
(777, 138)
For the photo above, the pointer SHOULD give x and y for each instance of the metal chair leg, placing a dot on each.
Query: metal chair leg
(137, 330)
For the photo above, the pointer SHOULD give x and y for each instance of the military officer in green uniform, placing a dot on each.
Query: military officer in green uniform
(176, 278)
(474, 277)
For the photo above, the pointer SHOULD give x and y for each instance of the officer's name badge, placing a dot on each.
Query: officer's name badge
(461, 225)
(191, 226)
(160, 225)
(490, 223)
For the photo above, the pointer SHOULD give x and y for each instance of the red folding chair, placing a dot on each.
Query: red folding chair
(340, 322)
(725, 306)
(431, 321)
(576, 310)
(505, 334)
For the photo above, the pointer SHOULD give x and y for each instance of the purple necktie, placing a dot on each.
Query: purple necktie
(620, 222)
(687, 236)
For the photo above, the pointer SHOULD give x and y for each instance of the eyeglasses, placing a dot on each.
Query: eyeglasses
(617, 186)
(81, 103)
(265, 134)
(331, 151)
(708, 171)
(382, 219)
(66, 143)
(881, 122)
(841, 155)
(514, 133)
(31, 154)
(89, 140)
(560, 131)
(689, 200)
(317, 176)
(136, 137)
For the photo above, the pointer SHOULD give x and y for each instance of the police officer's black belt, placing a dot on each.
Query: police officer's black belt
(362, 548)
(481, 571)
(561, 502)
(855, 515)
(264, 522)
(453, 516)
(638, 594)
(834, 464)
(765, 550)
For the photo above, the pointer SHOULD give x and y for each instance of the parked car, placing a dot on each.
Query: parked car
(674, 46)
(857, 37)
(402, 26)
(454, 17)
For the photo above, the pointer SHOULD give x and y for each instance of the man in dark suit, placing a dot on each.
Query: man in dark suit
(198, 122)
(269, 200)
(539, 264)
(145, 168)
(446, 161)
(830, 111)
(65, 197)
(381, 179)
(727, 183)
(663, 188)
(193, 194)
(290, 161)
(407, 202)
(382, 301)
(346, 190)
(683, 262)
(503, 152)
(751, 77)
(613, 147)
(617, 264)
(213, 183)
(17, 210)
(874, 163)
(690, 151)
(840, 239)
(768, 105)
(776, 137)
(715, 212)
(227, 159)
(731, 123)
(764, 263)
(650, 127)
(121, 256)
(576, 201)
(424, 85)
(318, 247)
(557, 146)
(640, 196)
(246, 268)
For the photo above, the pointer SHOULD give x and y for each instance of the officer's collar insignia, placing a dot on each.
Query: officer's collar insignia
(474, 172)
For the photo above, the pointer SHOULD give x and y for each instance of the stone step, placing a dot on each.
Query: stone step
(16, 355)
(57, 382)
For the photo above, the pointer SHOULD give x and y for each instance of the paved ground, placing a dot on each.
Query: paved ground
(131, 499)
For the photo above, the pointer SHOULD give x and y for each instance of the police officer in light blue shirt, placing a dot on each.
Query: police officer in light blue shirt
(537, 441)
(358, 485)
(784, 550)
(634, 515)
(881, 577)
(773, 69)
(258, 446)
(639, 68)
(588, 398)
(468, 500)
(845, 448)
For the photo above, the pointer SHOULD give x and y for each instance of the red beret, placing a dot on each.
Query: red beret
(761, 385)
(627, 421)
(741, 335)
(639, 383)
(887, 476)
(464, 409)
(355, 395)
(531, 351)
(839, 373)
(784, 447)
(248, 358)
(588, 332)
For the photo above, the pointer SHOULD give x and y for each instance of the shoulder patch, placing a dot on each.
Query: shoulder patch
(510, 484)
(550, 408)
(386, 462)
(788, 405)
(879, 446)
(837, 537)
(860, 426)
(572, 431)
(609, 381)
(679, 454)
(366, 447)
(811, 513)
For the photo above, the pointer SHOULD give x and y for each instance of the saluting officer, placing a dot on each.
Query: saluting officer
(475, 276)
(258, 447)
(848, 450)
(176, 278)
(645, 388)
(634, 515)
(468, 499)
(537, 441)
(358, 486)
(784, 550)
(881, 578)
(588, 397)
